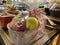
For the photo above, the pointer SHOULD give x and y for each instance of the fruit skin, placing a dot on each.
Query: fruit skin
(22, 26)
(31, 23)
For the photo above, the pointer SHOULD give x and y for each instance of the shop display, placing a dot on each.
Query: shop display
(26, 26)
(26, 21)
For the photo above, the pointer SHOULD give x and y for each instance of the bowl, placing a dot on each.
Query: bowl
(4, 20)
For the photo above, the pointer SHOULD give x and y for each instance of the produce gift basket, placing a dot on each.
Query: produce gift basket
(27, 27)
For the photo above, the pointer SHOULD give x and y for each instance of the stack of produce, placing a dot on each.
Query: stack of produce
(12, 9)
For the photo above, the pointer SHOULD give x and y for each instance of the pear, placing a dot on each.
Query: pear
(31, 23)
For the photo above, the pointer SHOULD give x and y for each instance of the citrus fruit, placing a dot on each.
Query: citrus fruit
(31, 23)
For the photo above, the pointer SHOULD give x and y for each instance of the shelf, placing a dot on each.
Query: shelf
(41, 41)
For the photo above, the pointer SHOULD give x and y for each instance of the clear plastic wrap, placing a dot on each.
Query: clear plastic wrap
(28, 37)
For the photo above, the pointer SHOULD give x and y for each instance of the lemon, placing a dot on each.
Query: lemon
(31, 23)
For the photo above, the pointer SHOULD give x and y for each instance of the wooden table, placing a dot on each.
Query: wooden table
(41, 41)
(56, 40)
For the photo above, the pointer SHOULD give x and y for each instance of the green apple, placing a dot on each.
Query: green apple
(31, 23)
